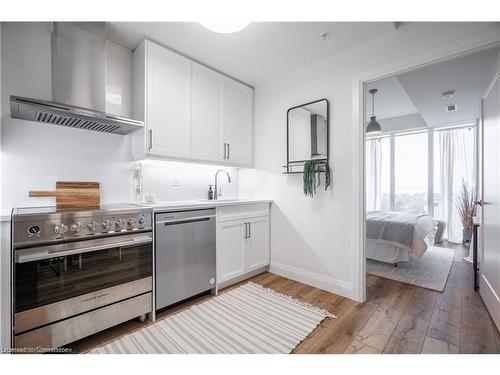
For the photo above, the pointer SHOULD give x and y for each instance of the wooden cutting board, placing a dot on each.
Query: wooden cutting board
(73, 194)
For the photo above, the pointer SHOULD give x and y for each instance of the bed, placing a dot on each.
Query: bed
(392, 236)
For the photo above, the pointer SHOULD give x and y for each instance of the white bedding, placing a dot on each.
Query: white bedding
(393, 252)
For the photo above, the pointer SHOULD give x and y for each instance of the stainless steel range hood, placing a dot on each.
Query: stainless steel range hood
(78, 84)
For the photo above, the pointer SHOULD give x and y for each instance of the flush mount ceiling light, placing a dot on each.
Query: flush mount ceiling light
(373, 127)
(448, 94)
(224, 27)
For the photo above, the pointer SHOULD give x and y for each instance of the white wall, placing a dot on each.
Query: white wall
(35, 155)
(314, 240)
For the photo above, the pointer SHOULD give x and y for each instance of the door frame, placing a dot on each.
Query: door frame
(448, 52)
(482, 280)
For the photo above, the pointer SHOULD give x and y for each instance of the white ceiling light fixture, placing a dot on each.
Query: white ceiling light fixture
(448, 94)
(224, 27)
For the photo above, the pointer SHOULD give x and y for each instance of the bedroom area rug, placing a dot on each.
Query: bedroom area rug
(245, 320)
(430, 271)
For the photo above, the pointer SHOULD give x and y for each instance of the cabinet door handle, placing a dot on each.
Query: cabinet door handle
(150, 131)
(228, 150)
(249, 230)
(224, 147)
(246, 231)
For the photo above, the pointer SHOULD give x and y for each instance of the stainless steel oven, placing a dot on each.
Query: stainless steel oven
(68, 284)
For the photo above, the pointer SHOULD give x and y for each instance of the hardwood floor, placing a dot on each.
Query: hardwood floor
(396, 318)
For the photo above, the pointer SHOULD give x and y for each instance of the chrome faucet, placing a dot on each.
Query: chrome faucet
(216, 192)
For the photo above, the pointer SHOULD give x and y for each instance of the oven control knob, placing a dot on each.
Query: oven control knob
(106, 224)
(142, 220)
(119, 224)
(76, 227)
(34, 230)
(93, 226)
(60, 228)
(131, 222)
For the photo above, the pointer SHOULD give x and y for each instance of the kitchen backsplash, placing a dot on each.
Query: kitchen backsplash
(35, 155)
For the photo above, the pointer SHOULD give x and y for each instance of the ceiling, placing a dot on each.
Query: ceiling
(420, 91)
(391, 100)
(258, 52)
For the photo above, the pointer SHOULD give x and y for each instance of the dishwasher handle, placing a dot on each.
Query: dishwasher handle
(185, 221)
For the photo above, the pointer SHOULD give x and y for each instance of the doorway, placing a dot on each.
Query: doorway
(359, 115)
(415, 171)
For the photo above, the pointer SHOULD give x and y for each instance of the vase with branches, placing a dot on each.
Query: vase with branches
(466, 210)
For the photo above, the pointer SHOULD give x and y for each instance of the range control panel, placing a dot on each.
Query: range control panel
(64, 228)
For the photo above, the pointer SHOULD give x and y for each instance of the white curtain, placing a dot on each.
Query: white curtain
(457, 162)
(373, 174)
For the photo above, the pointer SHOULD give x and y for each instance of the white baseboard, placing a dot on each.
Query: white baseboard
(327, 283)
(248, 275)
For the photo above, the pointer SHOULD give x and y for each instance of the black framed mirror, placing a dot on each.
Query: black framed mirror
(308, 133)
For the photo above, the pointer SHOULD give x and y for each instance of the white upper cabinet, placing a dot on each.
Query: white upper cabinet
(239, 123)
(190, 112)
(166, 104)
(208, 114)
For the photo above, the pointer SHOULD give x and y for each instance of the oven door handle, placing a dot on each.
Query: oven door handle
(47, 252)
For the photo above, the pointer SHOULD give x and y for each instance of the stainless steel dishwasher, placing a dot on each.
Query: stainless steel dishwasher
(184, 255)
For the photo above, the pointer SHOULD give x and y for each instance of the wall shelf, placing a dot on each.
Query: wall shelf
(299, 164)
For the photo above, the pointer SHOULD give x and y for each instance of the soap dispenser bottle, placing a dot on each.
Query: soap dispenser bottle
(210, 192)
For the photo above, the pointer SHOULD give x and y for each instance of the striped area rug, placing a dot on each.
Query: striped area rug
(248, 319)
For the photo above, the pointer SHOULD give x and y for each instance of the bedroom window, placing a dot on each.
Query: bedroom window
(422, 171)
(411, 172)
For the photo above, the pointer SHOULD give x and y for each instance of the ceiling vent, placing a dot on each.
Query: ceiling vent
(451, 107)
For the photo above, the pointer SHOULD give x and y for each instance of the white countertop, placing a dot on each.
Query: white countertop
(167, 205)
(202, 203)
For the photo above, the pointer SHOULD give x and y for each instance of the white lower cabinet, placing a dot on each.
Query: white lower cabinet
(257, 249)
(231, 250)
(242, 246)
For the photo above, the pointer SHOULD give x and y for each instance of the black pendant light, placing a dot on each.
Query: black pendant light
(373, 127)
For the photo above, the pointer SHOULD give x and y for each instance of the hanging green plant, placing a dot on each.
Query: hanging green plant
(312, 173)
